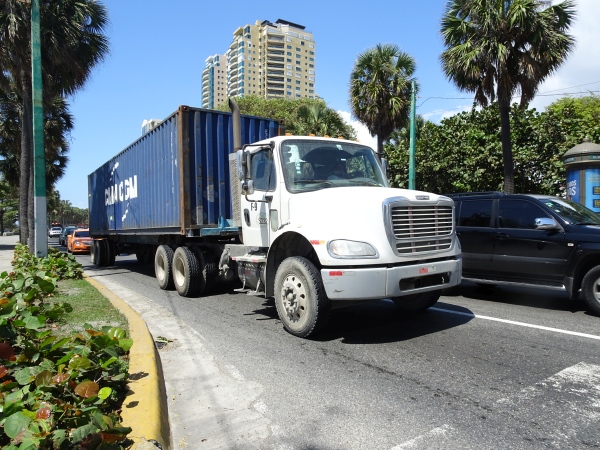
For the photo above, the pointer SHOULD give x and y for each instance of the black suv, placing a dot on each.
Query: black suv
(534, 240)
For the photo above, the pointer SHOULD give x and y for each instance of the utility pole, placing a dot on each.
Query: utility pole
(39, 167)
(413, 139)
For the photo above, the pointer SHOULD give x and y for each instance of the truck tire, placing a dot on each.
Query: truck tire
(110, 249)
(590, 286)
(94, 252)
(99, 254)
(163, 263)
(187, 276)
(300, 299)
(417, 302)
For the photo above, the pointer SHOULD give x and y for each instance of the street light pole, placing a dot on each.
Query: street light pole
(39, 167)
(413, 139)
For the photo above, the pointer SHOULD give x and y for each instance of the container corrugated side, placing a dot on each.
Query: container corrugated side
(172, 179)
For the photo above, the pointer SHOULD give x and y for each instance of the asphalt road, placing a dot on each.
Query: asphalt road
(500, 368)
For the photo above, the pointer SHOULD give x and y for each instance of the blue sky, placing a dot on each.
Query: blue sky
(158, 49)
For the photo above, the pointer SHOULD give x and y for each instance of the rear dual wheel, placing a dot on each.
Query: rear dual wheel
(103, 252)
(187, 270)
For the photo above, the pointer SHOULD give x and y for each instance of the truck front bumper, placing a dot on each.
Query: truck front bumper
(387, 282)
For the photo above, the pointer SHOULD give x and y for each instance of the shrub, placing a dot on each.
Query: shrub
(56, 392)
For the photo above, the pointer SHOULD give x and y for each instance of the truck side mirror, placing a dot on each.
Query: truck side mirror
(243, 164)
(247, 187)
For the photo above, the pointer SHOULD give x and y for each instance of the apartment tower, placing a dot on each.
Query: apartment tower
(270, 60)
(214, 82)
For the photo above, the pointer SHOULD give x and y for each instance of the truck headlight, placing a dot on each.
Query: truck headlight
(351, 249)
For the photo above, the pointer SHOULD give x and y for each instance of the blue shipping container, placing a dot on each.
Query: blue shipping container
(174, 178)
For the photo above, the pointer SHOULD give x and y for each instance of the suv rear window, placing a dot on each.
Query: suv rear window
(474, 213)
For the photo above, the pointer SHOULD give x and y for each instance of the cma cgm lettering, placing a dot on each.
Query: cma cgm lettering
(120, 192)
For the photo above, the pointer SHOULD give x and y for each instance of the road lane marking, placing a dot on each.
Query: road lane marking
(425, 438)
(562, 411)
(521, 324)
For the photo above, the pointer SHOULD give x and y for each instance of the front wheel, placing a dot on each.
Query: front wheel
(302, 305)
(590, 286)
(417, 302)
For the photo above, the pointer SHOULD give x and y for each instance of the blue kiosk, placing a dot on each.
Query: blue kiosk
(582, 164)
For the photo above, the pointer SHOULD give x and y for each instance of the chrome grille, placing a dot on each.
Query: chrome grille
(421, 228)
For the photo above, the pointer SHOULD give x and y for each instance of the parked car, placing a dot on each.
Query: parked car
(79, 241)
(530, 240)
(66, 231)
(54, 232)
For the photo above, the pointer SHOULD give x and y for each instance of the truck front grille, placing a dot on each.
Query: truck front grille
(421, 228)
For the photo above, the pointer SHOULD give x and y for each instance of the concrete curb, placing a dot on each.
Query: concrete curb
(145, 408)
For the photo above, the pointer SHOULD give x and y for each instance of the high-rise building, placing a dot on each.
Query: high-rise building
(270, 60)
(214, 82)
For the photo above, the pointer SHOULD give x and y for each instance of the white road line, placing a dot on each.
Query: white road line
(521, 324)
(424, 438)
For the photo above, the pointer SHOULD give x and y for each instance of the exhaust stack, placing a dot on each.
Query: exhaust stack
(236, 207)
(237, 129)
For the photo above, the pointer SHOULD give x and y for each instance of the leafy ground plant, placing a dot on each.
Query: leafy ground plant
(56, 392)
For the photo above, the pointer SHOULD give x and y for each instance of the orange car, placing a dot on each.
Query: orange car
(79, 241)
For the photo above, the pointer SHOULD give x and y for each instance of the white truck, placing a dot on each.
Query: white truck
(310, 221)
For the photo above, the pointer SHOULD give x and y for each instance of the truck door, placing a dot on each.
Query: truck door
(257, 206)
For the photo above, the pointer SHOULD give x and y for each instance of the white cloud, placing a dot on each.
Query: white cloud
(362, 133)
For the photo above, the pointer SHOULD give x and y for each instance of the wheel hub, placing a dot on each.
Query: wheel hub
(293, 294)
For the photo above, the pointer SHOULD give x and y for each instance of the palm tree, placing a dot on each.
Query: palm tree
(57, 123)
(380, 88)
(320, 120)
(72, 44)
(496, 48)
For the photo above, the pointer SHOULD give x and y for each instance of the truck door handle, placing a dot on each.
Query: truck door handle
(247, 217)
(502, 236)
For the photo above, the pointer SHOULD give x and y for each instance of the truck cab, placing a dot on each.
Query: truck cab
(321, 211)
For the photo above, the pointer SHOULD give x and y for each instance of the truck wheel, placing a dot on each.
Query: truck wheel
(98, 255)
(163, 262)
(417, 302)
(110, 250)
(302, 305)
(590, 286)
(187, 276)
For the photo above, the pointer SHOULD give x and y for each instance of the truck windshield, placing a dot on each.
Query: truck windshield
(572, 212)
(310, 165)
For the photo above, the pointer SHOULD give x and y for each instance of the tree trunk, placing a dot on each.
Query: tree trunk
(26, 156)
(507, 158)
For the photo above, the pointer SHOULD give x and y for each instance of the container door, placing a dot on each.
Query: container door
(257, 207)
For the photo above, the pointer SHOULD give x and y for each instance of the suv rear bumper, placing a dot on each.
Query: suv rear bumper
(382, 282)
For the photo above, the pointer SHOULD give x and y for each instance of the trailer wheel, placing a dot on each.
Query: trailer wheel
(163, 262)
(110, 249)
(417, 302)
(187, 276)
(99, 255)
(590, 286)
(302, 305)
